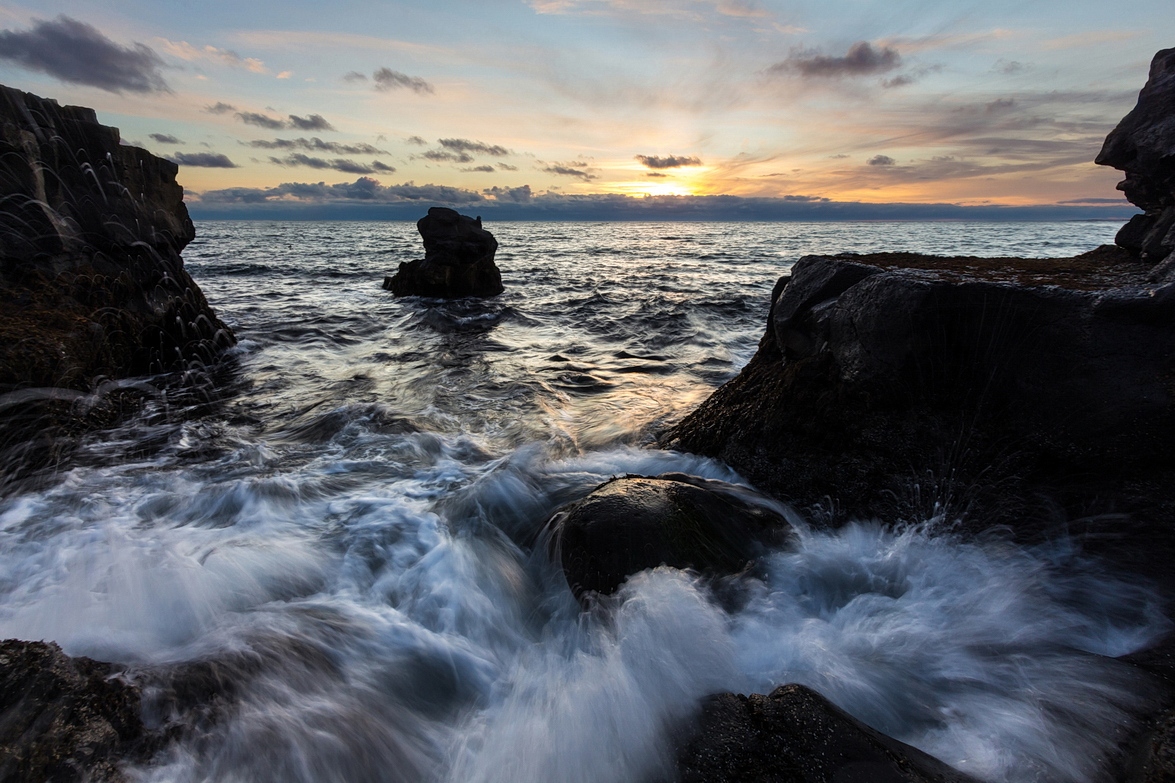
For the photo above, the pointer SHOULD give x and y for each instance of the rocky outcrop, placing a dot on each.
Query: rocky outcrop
(794, 735)
(1143, 146)
(633, 523)
(905, 386)
(458, 259)
(92, 286)
(65, 719)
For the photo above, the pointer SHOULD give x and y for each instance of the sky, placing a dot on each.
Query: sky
(691, 107)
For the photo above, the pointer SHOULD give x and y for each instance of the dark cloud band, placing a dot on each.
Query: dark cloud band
(668, 161)
(862, 59)
(76, 52)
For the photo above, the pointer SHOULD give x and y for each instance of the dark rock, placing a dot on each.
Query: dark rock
(795, 735)
(633, 523)
(917, 382)
(458, 259)
(1143, 146)
(92, 286)
(65, 719)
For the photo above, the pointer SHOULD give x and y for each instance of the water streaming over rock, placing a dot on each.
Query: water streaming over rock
(341, 547)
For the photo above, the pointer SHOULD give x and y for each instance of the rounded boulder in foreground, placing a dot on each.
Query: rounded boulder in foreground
(630, 524)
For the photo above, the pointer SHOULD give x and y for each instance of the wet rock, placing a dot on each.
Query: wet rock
(1143, 146)
(795, 735)
(65, 719)
(92, 286)
(458, 259)
(907, 385)
(633, 523)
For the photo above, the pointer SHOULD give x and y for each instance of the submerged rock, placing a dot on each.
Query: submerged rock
(65, 719)
(630, 524)
(1143, 146)
(795, 735)
(458, 259)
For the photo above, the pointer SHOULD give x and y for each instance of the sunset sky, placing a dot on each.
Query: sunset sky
(517, 101)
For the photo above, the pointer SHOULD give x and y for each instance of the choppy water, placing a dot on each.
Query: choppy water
(346, 536)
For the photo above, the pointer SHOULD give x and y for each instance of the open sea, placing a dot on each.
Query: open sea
(345, 538)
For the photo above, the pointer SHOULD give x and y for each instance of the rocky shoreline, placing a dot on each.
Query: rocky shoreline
(1033, 393)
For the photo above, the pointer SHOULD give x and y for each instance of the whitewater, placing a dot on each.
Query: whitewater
(341, 536)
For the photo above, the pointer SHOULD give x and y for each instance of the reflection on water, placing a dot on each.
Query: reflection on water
(342, 547)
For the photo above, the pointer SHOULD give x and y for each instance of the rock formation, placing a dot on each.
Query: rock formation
(794, 735)
(65, 719)
(458, 259)
(907, 385)
(1143, 146)
(633, 523)
(92, 286)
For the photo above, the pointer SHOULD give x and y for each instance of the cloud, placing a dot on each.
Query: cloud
(206, 160)
(313, 122)
(655, 174)
(315, 144)
(669, 161)
(569, 171)
(506, 167)
(861, 60)
(1120, 200)
(260, 120)
(284, 75)
(518, 195)
(345, 165)
(487, 169)
(465, 145)
(419, 142)
(901, 80)
(387, 79)
(220, 107)
(164, 138)
(1009, 67)
(76, 52)
(354, 76)
(445, 155)
(364, 189)
(881, 160)
(189, 53)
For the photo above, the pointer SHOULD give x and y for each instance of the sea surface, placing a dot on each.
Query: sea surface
(344, 539)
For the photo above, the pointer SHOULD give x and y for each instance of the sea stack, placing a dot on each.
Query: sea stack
(1143, 146)
(458, 259)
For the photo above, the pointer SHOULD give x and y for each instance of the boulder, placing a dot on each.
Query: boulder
(1143, 146)
(630, 524)
(458, 259)
(795, 735)
(65, 719)
(910, 385)
(92, 286)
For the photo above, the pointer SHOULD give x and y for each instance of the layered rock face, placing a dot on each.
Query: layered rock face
(91, 282)
(1143, 146)
(914, 385)
(458, 259)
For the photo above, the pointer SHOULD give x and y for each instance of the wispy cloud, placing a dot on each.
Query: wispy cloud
(207, 160)
(315, 144)
(76, 52)
(386, 79)
(669, 161)
(220, 107)
(480, 147)
(164, 138)
(577, 170)
(862, 59)
(189, 53)
(344, 165)
(1092, 38)
(440, 156)
(314, 122)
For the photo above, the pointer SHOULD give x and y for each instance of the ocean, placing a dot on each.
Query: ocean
(344, 535)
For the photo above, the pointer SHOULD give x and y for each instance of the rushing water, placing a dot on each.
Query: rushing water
(345, 538)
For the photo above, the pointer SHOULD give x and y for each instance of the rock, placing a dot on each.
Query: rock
(458, 259)
(796, 736)
(1143, 146)
(92, 286)
(630, 524)
(913, 385)
(65, 719)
